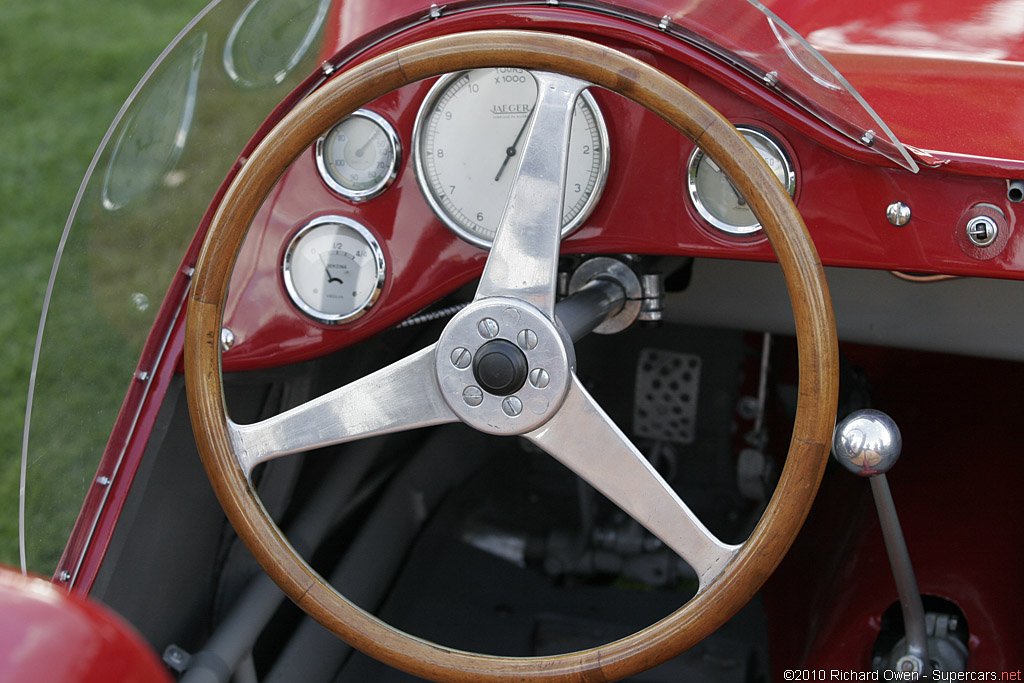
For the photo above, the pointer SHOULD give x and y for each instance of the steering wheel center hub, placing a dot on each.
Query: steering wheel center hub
(502, 366)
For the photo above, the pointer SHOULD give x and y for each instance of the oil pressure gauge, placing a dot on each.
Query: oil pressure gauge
(334, 269)
(358, 158)
(714, 196)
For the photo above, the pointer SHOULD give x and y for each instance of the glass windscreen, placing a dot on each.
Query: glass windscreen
(147, 189)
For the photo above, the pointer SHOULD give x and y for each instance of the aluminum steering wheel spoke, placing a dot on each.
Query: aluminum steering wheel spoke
(523, 266)
(399, 397)
(582, 437)
(523, 261)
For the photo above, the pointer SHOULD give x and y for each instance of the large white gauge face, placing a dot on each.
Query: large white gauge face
(715, 197)
(333, 269)
(467, 145)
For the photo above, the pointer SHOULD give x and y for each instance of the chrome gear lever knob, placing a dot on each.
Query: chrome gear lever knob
(867, 442)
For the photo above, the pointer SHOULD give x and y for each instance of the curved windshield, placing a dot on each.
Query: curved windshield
(165, 156)
(147, 188)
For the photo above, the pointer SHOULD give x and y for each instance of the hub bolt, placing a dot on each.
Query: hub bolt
(473, 395)
(461, 358)
(527, 340)
(488, 328)
(511, 406)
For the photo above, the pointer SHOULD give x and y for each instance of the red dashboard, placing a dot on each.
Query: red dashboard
(842, 193)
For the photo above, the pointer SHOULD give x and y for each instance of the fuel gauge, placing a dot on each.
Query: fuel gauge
(334, 269)
(358, 158)
(714, 196)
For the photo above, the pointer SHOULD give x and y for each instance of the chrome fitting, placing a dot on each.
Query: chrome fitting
(611, 270)
(898, 214)
(1015, 191)
(982, 231)
(653, 304)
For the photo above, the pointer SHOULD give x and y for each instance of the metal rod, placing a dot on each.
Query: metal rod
(762, 382)
(236, 634)
(580, 312)
(594, 303)
(903, 572)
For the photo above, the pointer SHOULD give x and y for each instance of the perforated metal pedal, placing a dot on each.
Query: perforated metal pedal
(665, 405)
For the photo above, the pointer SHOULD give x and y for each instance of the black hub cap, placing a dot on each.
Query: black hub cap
(500, 367)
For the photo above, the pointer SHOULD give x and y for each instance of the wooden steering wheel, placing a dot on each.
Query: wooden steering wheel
(516, 292)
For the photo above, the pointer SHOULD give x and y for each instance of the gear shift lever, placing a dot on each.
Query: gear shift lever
(868, 443)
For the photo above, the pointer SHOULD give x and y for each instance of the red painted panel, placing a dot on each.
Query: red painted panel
(49, 635)
(644, 209)
(964, 526)
(944, 76)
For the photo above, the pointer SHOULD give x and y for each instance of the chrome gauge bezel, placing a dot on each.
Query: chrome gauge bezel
(436, 92)
(376, 258)
(756, 137)
(389, 175)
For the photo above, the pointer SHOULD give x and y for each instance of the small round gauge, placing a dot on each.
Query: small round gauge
(714, 196)
(466, 140)
(358, 158)
(333, 269)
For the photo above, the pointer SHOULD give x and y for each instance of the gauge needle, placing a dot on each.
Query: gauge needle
(740, 199)
(511, 151)
(715, 167)
(330, 278)
(362, 150)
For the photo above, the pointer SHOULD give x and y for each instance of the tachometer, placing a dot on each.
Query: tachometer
(333, 269)
(714, 196)
(467, 143)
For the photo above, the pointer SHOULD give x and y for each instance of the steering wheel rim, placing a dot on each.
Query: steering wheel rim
(815, 329)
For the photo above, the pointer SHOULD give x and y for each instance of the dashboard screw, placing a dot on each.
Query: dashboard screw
(898, 214)
(227, 339)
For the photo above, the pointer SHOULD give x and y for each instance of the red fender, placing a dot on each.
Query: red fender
(47, 634)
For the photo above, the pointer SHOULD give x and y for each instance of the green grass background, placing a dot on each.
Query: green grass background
(65, 68)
